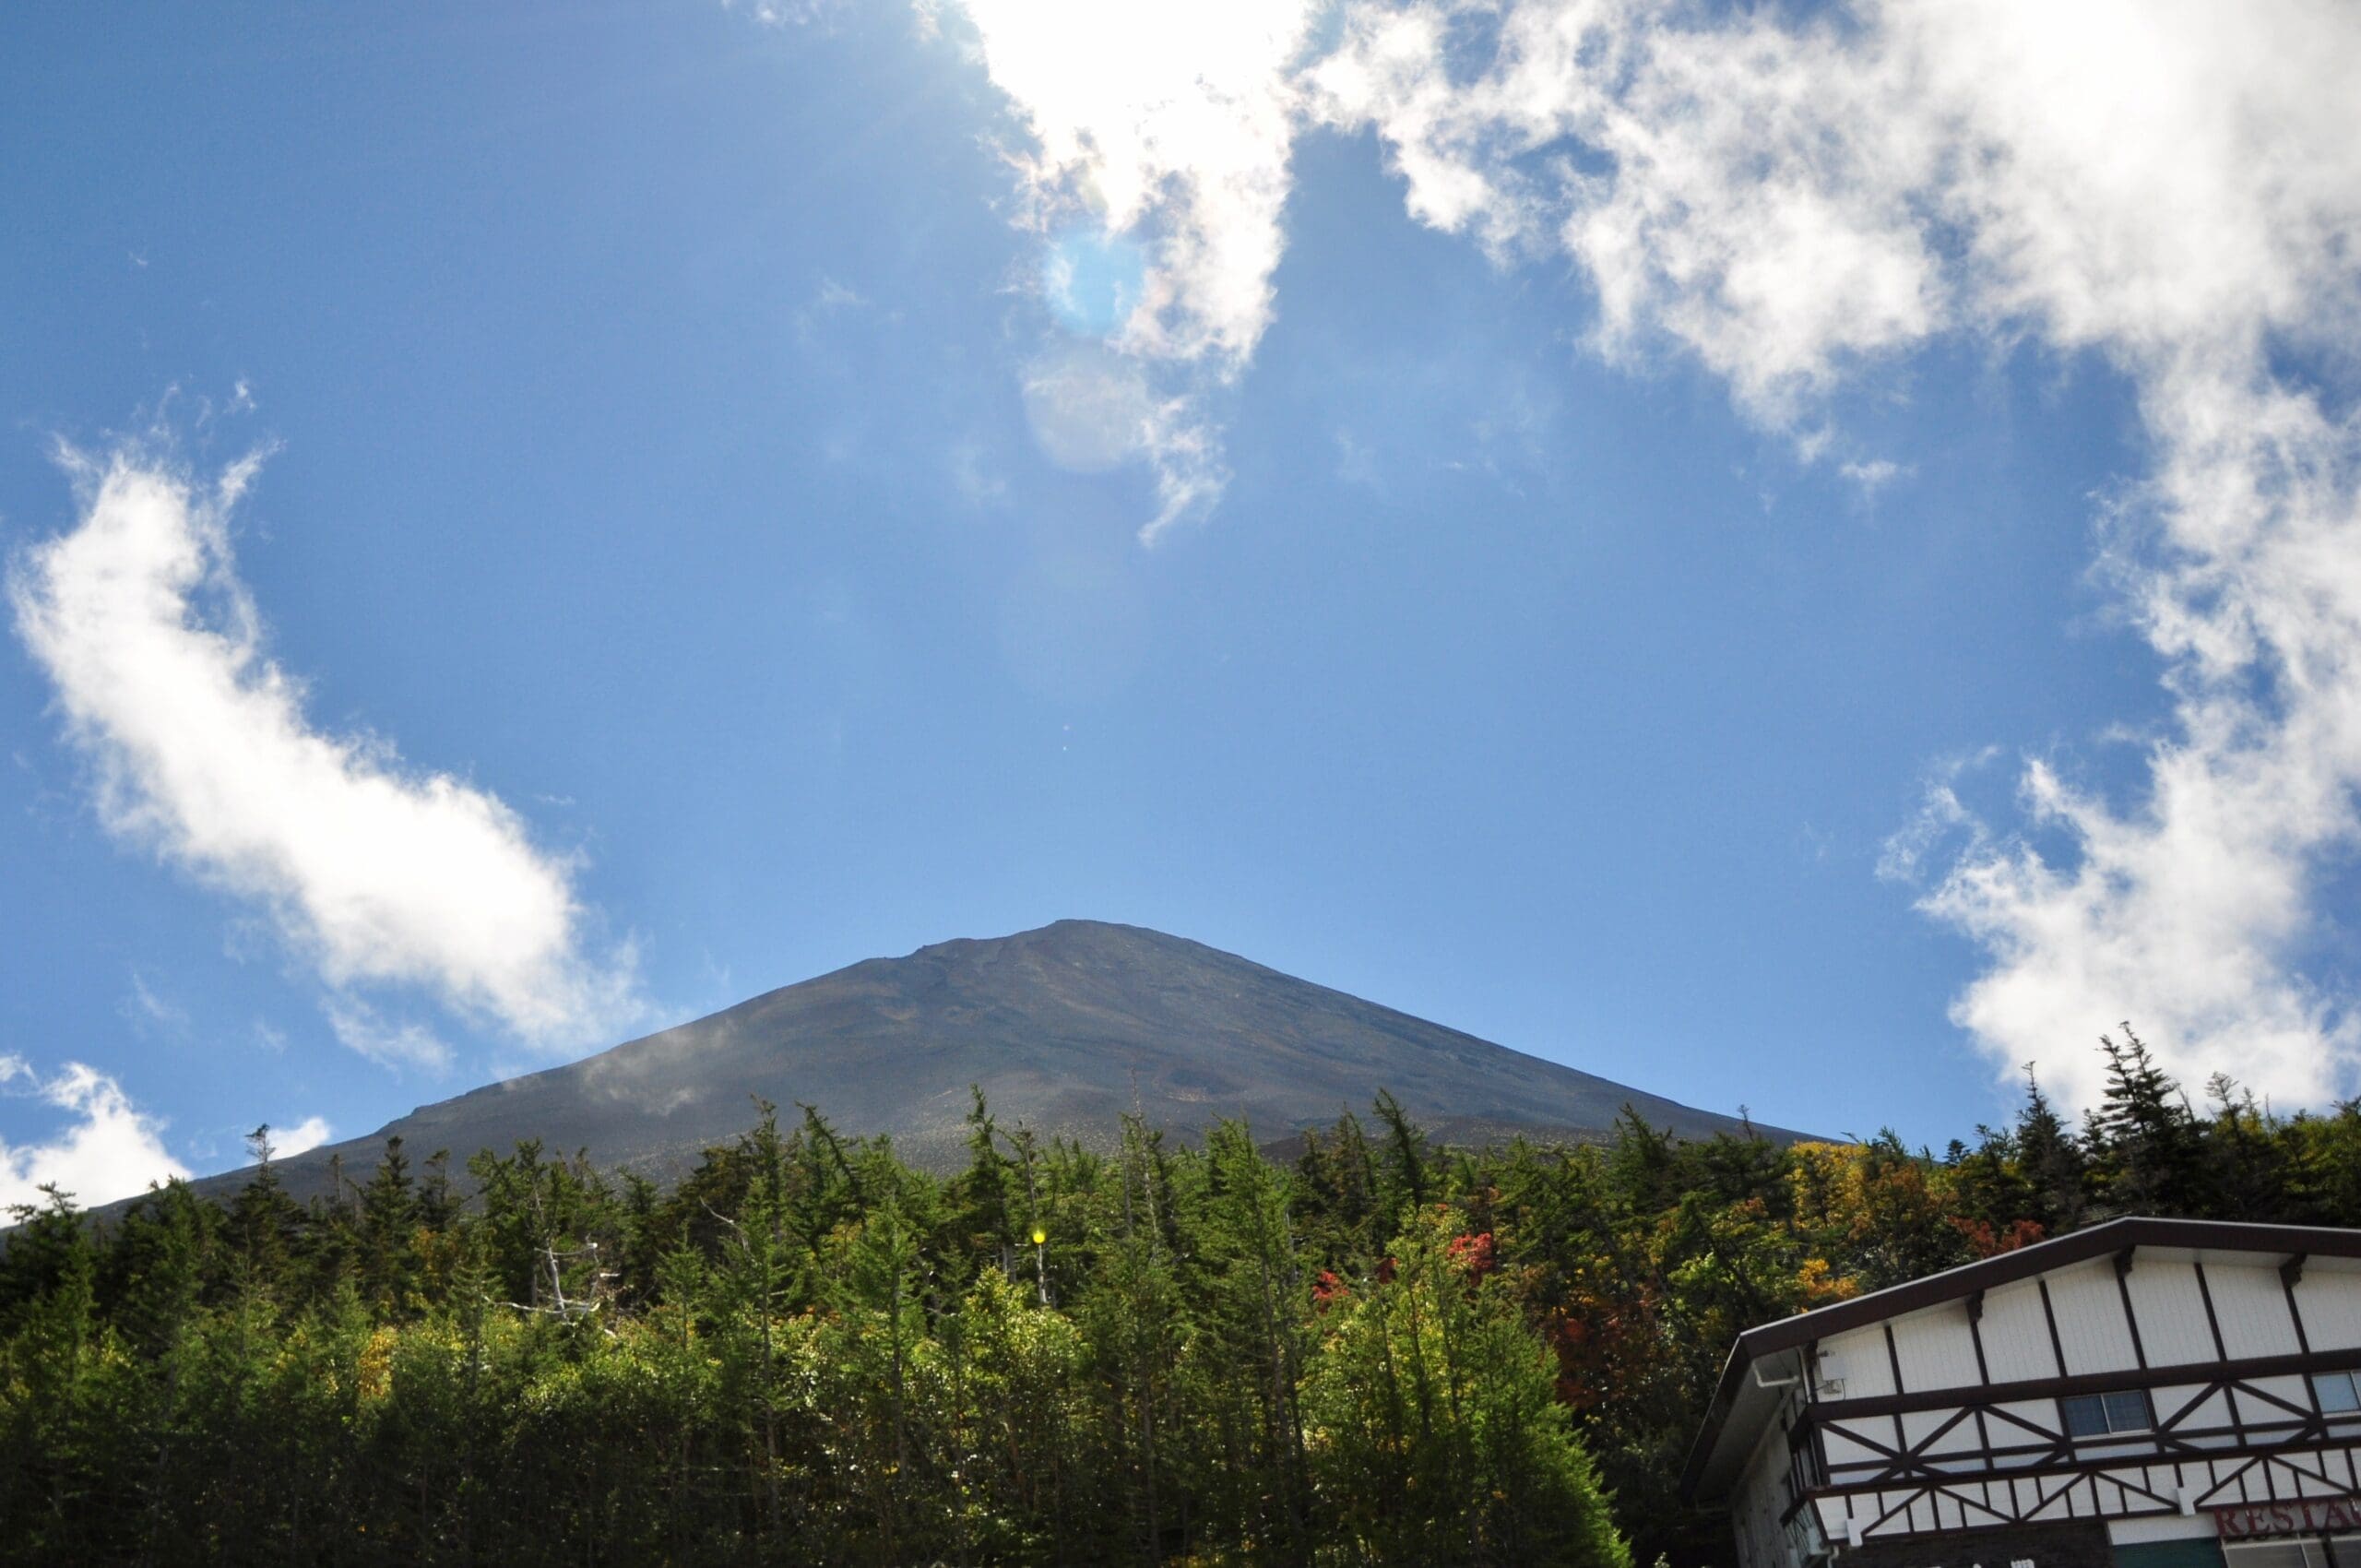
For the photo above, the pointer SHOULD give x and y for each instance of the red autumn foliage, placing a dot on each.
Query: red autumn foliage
(1987, 1243)
(1473, 1253)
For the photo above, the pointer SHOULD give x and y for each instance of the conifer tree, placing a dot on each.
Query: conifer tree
(982, 1205)
(389, 1215)
(2145, 1140)
(2051, 1160)
(263, 1218)
(1405, 1181)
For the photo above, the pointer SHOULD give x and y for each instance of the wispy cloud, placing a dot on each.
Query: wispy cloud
(2173, 186)
(109, 1150)
(973, 476)
(789, 13)
(377, 873)
(830, 301)
(397, 1042)
(148, 1008)
(1162, 132)
(1875, 475)
(2170, 184)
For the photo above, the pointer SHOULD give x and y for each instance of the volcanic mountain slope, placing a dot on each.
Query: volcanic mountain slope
(1065, 1029)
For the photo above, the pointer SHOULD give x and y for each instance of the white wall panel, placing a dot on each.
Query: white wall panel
(2039, 1414)
(2352, 1464)
(2091, 1323)
(2331, 1304)
(1842, 1450)
(2212, 1412)
(2312, 1477)
(1860, 1358)
(2252, 1308)
(2291, 1389)
(1936, 1348)
(2171, 1312)
(2016, 1337)
(1917, 1426)
(1831, 1517)
(1994, 1495)
(1961, 1438)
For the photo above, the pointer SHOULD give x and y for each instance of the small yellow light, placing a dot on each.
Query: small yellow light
(1039, 1235)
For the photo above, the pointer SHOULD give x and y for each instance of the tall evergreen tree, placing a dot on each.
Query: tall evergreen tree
(2146, 1144)
(389, 1215)
(2052, 1161)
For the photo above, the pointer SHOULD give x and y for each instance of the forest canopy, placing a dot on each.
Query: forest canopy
(1357, 1346)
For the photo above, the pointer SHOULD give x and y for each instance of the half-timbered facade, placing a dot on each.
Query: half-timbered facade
(2144, 1394)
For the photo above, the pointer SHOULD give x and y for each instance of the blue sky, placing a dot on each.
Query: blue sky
(739, 492)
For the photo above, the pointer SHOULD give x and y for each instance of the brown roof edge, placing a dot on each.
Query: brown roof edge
(2002, 1269)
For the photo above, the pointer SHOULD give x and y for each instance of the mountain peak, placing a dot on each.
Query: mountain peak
(1065, 1026)
(1068, 935)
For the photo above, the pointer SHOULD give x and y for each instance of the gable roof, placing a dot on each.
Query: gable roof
(1738, 1396)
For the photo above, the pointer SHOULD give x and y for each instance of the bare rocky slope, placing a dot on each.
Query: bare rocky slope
(1065, 1029)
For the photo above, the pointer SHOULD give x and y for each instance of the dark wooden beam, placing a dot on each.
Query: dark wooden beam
(2180, 1373)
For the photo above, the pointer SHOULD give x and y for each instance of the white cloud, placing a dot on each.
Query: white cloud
(789, 13)
(1168, 126)
(397, 1042)
(111, 1151)
(829, 303)
(1091, 410)
(1172, 122)
(378, 873)
(148, 1008)
(309, 1133)
(1941, 820)
(2184, 910)
(1876, 474)
(2171, 184)
(1759, 209)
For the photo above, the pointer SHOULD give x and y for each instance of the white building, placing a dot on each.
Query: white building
(2144, 1394)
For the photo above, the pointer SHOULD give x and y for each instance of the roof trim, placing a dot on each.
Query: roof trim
(2004, 1268)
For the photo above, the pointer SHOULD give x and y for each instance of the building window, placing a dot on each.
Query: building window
(2107, 1415)
(2334, 1552)
(2336, 1393)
